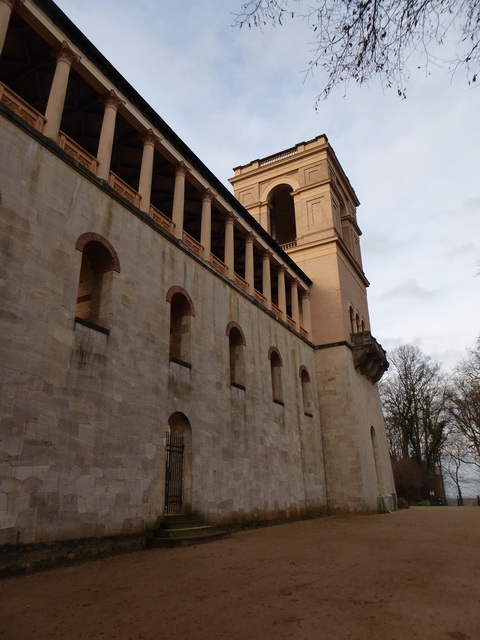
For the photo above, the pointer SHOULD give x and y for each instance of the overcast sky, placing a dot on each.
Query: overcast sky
(237, 95)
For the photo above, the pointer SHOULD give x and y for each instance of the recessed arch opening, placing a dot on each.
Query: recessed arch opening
(181, 313)
(99, 261)
(178, 465)
(236, 346)
(276, 374)
(282, 214)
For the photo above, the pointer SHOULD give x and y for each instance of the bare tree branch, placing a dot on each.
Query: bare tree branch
(357, 40)
(464, 402)
(414, 403)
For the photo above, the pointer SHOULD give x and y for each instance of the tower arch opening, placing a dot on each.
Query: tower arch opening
(283, 226)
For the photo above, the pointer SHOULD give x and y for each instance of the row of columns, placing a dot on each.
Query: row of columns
(6, 8)
(230, 218)
(112, 103)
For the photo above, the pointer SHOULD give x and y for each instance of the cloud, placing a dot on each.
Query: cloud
(409, 289)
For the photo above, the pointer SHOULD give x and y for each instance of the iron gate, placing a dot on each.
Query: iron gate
(174, 473)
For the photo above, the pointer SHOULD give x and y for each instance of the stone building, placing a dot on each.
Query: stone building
(167, 346)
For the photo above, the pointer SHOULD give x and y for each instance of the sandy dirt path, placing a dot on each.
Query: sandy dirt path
(410, 574)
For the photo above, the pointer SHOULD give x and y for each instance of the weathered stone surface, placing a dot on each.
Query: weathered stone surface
(92, 376)
(98, 413)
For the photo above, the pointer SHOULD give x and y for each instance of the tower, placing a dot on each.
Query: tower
(303, 198)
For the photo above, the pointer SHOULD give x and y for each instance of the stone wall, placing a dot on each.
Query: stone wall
(83, 413)
(350, 408)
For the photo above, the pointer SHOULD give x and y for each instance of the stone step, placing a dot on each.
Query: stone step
(181, 522)
(193, 537)
(176, 531)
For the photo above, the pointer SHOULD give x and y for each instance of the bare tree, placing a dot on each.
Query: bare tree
(453, 463)
(464, 404)
(356, 40)
(414, 402)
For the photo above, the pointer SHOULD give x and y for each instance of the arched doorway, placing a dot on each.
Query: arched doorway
(178, 465)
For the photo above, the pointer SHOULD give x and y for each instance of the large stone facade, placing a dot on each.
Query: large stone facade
(140, 299)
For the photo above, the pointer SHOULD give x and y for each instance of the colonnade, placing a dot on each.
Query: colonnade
(65, 59)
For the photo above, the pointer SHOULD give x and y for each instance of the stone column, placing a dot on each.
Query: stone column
(6, 8)
(294, 300)
(56, 100)
(105, 144)
(306, 313)
(282, 295)
(249, 271)
(266, 282)
(146, 169)
(229, 243)
(179, 198)
(206, 225)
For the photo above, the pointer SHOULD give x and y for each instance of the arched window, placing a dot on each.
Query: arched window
(282, 214)
(276, 373)
(236, 346)
(362, 326)
(99, 261)
(306, 391)
(352, 319)
(357, 323)
(181, 312)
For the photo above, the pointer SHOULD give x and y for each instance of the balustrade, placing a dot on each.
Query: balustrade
(220, 266)
(161, 219)
(259, 297)
(276, 310)
(281, 156)
(77, 152)
(192, 244)
(21, 108)
(124, 189)
(240, 282)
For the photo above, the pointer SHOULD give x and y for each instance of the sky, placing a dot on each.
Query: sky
(237, 95)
